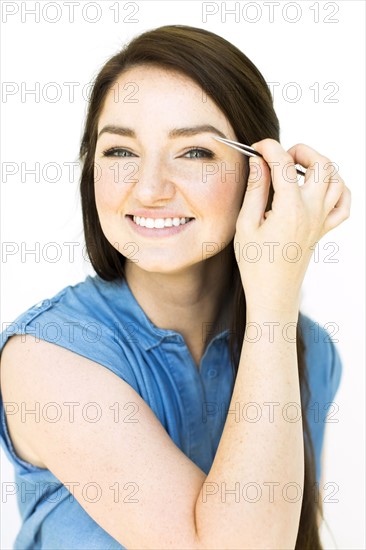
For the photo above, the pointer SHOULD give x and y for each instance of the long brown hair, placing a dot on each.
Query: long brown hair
(233, 82)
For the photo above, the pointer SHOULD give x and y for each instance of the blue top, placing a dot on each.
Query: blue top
(103, 321)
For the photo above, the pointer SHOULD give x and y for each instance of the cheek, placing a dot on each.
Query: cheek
(222, 201)
(223, 195)
(109, 191)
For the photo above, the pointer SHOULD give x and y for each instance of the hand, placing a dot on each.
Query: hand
(299, 217)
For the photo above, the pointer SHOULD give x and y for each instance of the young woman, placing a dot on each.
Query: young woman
(170, 391)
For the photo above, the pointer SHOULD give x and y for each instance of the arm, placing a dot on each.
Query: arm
(164, 481)
(265, 452)
(257, 452)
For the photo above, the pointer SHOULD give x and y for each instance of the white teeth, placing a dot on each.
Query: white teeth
(149, 222)
(159, 223)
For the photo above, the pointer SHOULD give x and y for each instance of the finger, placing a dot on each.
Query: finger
(319, 169)
(334, 192)
(256, 194)
(282, 166)
(340, 212)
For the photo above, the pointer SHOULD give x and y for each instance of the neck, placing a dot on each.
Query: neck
(194, 302)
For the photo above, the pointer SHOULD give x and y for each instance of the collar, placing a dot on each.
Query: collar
(126, 305)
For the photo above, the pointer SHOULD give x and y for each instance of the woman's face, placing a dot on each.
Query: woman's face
(144, 167)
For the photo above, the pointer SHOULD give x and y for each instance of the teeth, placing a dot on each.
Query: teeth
(159, 223)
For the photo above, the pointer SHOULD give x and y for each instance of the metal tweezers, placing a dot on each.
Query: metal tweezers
(250, 152)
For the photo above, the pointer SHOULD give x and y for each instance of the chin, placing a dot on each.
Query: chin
(162, 265)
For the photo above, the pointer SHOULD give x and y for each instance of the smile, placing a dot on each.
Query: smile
(159, 223)
(156, 228)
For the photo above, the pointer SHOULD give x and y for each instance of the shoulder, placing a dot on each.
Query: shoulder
(323, 359)
(81, 318)
(76, 338)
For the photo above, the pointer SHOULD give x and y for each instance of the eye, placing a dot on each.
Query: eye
(117, 152)
(200, 153)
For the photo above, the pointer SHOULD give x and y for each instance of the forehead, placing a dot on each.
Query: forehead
(157, 92)
(147, 78)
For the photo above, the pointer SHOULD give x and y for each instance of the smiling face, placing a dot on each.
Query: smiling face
(148, 166)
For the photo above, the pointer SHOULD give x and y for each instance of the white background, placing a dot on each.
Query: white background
(308, 52)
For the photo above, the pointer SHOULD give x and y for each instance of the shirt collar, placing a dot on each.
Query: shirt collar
(127, 306)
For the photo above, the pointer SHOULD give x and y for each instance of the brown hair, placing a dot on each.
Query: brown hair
(233, 82)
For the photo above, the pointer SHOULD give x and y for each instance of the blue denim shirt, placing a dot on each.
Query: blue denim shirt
(103, 321)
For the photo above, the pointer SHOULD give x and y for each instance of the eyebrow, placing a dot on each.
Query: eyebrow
(174, 133)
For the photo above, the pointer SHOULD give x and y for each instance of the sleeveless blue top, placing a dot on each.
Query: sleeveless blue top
(104, 322)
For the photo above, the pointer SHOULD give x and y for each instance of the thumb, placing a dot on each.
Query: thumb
(256, 194)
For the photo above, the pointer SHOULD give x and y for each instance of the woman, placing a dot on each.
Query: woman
(149, 366)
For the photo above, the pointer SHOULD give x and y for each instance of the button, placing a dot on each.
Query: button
(42, 303)
(212, 373)
(175, 337)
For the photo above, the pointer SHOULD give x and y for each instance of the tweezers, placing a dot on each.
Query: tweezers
(250, 152)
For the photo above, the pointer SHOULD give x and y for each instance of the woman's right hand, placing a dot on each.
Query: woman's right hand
(273, 249)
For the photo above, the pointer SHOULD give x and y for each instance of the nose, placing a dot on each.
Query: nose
(153, 182)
